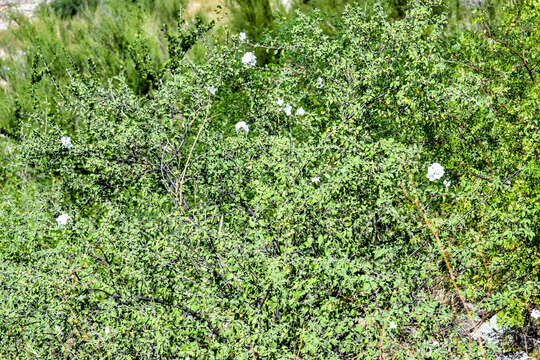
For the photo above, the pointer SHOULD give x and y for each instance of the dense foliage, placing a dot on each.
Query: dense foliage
(310, 231)
(114, 37)
(67, 8)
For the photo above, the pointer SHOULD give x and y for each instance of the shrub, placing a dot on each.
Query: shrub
(310, 235)
(120, 37)
(69, 8)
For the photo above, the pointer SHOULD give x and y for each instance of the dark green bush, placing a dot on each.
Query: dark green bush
(69, 8)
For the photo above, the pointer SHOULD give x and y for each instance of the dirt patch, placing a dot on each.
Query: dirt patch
(207, 7)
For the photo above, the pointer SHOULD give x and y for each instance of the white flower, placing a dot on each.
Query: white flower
(212, 90)
(242, 36)
(280, 102)
(66, 141)
(392, 325)
(435, 172)
(320, 83)
(62, 219)
(535, 314)
(300, 111)
(249, 59)
(447, 183)
(107, 330)
(288, 110)
(242, 125)
(315, 179)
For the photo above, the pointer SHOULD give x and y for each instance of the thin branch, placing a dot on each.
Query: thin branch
(184, 308)
(443, 252)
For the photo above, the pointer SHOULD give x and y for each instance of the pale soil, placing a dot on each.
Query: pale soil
(207, 7)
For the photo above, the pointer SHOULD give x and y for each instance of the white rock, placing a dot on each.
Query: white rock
(26, 7)
(489, 331)
(515, 356)
(287, 4)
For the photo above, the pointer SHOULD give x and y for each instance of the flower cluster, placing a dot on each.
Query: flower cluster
(62, 219)
(435, 172)
(242, 125)
(66, 141)
(249, 59)
(288, 109)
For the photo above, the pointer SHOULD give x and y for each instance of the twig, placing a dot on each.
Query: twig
(435, 233)
(187, 162)
(187, 310)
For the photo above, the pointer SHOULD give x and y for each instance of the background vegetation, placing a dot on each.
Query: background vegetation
(311, 235)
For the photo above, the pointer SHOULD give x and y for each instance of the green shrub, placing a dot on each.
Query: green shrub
(315, 234)
(69, 8)
(119, 38)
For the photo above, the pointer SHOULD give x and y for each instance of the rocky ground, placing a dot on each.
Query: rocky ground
(27, 7)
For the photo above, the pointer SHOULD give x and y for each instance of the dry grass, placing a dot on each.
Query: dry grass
(209, 9)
